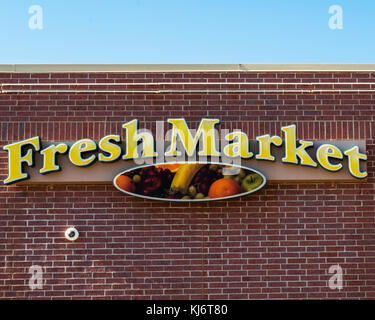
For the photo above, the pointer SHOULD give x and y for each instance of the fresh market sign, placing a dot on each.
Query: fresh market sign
(204, 146)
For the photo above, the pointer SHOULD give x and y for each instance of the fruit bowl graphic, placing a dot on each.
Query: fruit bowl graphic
(189, 181)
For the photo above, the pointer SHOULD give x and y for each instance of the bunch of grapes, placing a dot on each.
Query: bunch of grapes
(152, 181)
(205, 177)
(166, 175)
(131, 173)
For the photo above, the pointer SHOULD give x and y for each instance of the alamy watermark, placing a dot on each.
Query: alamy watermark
(36, 20)
(336, 21)
(36, 279)
(336, 280)
(163, 142)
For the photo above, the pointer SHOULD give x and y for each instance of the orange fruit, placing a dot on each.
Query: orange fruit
(173, 167)
(224, 187)
(125, 183)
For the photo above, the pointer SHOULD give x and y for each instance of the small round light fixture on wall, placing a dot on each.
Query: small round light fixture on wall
(71, 234)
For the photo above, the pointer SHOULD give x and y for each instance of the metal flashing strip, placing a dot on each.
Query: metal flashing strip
(144, 68)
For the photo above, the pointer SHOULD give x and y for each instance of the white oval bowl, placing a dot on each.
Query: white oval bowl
(191, 200)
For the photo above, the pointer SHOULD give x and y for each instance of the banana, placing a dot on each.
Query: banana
(185, 173)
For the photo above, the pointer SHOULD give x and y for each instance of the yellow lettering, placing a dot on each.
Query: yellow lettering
(113, 149)
(240, 148)
(49, 157)
(265, 146)
(206, 129)
(292, 152)
(353, 159)
(327, 151)
(132, 137)
(78, 148)
(15, 159)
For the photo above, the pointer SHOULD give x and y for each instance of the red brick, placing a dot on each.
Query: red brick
(278, 244)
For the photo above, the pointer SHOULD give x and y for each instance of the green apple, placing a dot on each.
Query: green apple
(251, 181)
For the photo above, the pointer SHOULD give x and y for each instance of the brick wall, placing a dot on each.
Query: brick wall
(277, 243)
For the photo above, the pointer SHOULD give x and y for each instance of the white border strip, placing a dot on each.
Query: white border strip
(193, 91)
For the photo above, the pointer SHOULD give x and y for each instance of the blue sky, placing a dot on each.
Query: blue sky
(187, 31)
